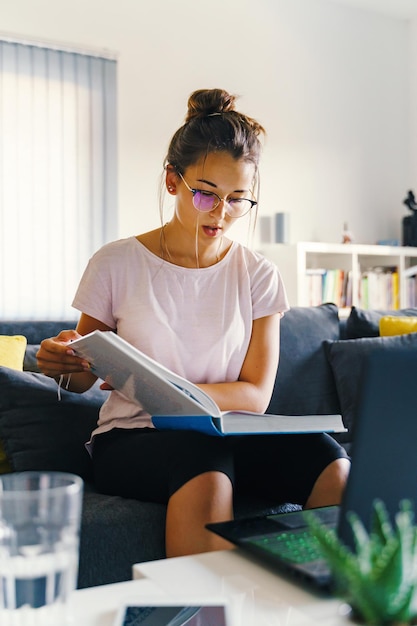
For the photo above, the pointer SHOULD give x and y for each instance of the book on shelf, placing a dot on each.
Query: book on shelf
(173, 402)
(314, 286)
(327, 285)
(411, 291)
(379, 288)
(336, 290)
(348, 289)
(314, 283)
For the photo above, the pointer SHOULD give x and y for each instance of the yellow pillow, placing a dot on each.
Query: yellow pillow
(397, 325)
(12, 351)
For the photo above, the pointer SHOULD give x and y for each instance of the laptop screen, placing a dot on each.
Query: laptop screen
(384, 451)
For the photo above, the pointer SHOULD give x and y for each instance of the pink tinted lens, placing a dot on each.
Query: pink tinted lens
(203, 201)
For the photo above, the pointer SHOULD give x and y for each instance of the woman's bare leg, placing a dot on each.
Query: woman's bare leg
(206, 498)
(329, 486)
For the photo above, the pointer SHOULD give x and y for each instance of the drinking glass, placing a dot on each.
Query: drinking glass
(39, 539)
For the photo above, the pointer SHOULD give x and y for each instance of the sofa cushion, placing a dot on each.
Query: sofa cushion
(38, 431)
(34, 330)
(364, 323)
(347, 358)
(115, 534)
(304, 382)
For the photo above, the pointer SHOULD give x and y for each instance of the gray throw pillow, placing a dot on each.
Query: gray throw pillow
(38, 431)
(347, 358)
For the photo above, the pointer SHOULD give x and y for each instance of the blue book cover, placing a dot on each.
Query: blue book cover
(247, 423)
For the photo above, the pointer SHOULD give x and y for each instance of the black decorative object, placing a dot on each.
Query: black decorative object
(410, 221)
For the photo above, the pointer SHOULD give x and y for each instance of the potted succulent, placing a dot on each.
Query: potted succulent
(379, 580)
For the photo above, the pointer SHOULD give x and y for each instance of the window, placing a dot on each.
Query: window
(57, 174)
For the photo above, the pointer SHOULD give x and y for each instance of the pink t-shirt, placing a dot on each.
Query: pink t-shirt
(196, 322)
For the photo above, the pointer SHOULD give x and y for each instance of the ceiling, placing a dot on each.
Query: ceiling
(404, 9)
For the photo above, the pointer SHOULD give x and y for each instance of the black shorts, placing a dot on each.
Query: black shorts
(150, 465)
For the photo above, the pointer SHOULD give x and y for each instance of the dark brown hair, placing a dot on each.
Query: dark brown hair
(213, 125)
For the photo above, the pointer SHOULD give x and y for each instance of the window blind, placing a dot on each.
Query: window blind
(58, 183)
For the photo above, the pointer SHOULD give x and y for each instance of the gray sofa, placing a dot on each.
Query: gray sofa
(319, 372)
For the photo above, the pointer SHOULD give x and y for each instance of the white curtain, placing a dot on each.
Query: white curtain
(57, 174)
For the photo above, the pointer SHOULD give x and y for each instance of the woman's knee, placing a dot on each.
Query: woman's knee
(330, 484)
(207, 497)
(207, 487)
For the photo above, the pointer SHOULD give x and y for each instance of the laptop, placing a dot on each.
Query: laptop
(384, 466)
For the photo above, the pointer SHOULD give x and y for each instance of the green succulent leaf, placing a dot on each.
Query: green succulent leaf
(382, 529)
(379, 578)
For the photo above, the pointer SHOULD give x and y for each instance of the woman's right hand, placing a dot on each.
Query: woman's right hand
(55, 356)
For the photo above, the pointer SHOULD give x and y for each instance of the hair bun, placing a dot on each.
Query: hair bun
(204, 102)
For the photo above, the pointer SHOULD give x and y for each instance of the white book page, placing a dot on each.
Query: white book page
(244, 421)
(142, 379)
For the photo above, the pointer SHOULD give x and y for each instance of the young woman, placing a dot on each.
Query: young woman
(209, 309)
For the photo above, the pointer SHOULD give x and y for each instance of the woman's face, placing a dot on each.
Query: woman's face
(220, 173)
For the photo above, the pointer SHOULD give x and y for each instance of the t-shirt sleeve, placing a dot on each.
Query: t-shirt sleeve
(268, 291)
(94, 296)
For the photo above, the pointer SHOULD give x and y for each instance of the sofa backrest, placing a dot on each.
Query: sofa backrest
(34, 331)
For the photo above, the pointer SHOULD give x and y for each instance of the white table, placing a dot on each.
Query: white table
(257, 596)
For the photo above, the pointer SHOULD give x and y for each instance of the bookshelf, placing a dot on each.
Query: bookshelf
(383, 277)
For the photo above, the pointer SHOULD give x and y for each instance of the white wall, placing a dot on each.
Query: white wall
(330, 84)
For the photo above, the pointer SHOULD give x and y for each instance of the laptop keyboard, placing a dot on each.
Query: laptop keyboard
(296, 546)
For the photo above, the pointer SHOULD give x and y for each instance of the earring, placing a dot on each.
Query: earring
(170, 188)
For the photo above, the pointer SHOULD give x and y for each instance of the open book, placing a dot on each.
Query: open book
(174, 402)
